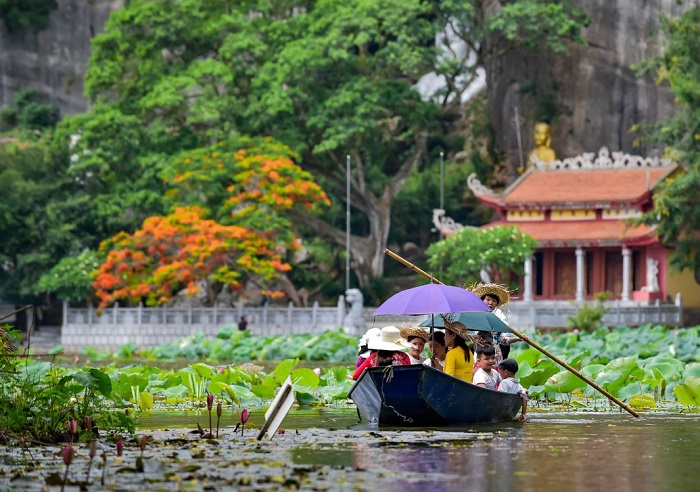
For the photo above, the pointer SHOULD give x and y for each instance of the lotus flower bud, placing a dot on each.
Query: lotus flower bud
(72, 426)
(280, 432)
(93, 448)
(144, 441)
(126, 412)
(210, 401)
(219, 409)
(243, 416)
(88, 422)
(120, 447)
(68, 455)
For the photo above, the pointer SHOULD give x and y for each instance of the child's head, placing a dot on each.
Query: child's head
(508, 368)
(486, 357)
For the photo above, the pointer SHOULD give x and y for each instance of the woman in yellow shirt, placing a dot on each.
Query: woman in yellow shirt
(459, 361)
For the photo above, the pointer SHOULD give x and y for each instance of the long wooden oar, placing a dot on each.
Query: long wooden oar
(527, 340)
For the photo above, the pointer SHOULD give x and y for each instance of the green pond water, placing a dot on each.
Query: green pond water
(553, 451)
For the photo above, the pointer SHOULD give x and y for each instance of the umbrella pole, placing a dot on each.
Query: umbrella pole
(533, 344)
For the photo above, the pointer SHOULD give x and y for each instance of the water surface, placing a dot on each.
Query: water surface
(553, 451)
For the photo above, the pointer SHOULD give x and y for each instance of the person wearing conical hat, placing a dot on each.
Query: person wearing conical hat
(459, 361)
(495, 296)
(385, 350)
(415, 338)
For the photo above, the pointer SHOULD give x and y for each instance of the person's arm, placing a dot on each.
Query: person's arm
(523, 411)
(450, 363)
(358, 372)
(479, 379)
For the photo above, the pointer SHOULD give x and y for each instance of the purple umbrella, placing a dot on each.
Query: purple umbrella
(432, 299)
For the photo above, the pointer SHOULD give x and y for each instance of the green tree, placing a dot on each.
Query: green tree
(676, 211)
(33, 232)
(327, 78)
(500, 250)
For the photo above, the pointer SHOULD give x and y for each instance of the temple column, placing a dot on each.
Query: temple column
(626, 273)
(580, 274)
(527, 287)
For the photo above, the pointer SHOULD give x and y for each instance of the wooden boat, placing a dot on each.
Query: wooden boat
(420, 396)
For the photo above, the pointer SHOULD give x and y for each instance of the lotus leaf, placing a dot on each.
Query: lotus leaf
(146, 401)
(305, 395)
(642, 401)
(632, 389)
(35, 371)
(240, 394)
(563, 382)
(205, 371)
(664, 367)
(535, 391)
(688, 393)
(265, 390)
(531, 356)
(284, 369)
(592, 370)
(692, 369)
(611, 381)
(175, 391)
(305, 377)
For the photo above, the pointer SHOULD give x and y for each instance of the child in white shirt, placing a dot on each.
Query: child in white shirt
(485, 376)
(508, 368)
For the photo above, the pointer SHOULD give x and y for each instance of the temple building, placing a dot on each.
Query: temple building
(577, 210)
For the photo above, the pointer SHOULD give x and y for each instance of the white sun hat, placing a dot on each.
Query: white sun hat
(372, 332)
(389, 338)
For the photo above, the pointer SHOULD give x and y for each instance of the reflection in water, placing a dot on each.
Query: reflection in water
(571, 453)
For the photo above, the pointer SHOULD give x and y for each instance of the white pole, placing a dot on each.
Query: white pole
(347, 222)
(442, 181)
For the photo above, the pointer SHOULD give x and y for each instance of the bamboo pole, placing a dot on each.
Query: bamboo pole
(530, 342)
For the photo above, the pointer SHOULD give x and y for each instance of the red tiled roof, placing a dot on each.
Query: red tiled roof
(583, 232)
(584, 186)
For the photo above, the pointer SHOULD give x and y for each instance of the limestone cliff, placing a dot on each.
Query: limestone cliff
(593, 94)
(54, 60)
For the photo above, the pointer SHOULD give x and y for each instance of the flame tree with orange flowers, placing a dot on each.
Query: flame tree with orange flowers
(229, 222)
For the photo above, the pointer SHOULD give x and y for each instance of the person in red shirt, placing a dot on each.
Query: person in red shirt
(385, 349)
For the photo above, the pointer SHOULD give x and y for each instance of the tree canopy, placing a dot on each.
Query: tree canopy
(676, 211)
(327, 78)
(500, 251)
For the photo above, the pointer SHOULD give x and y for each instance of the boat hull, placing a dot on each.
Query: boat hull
(420, 396)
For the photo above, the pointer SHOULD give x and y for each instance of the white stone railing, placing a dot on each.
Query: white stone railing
(149, 327)
(554, 314)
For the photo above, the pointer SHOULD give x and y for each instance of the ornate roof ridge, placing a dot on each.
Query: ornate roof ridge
(478, 188)
(589, 161)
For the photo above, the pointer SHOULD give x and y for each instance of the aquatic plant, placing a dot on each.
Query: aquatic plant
(243, 417)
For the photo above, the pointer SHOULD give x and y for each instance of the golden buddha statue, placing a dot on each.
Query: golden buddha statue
(543, 141)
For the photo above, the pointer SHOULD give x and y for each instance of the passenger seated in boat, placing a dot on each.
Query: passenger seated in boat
(416, 338)
(509, 384)
(486, 339)
(437, 347)
(485, 376)
(385, 350)
(460, 358)
(362, 346)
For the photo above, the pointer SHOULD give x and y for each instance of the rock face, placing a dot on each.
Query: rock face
(54, 60)
(593, 93)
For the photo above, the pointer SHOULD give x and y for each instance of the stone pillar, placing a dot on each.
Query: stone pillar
(580, 274)
(626, 273)
(527, 287)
